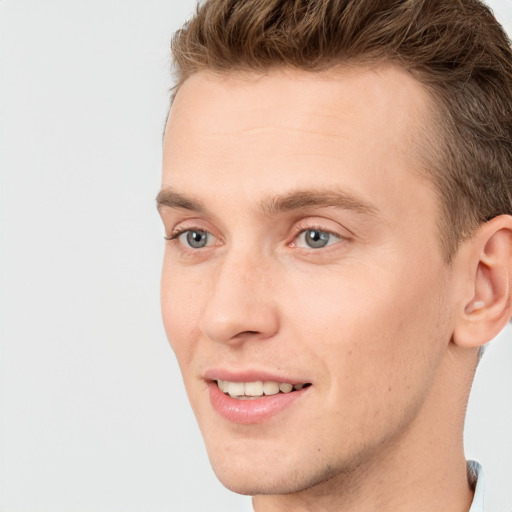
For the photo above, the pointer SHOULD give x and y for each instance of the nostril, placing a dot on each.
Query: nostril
(231, 319)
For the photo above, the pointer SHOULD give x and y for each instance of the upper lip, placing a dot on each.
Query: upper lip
(249, 375)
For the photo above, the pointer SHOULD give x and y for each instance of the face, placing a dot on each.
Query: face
(303, 289)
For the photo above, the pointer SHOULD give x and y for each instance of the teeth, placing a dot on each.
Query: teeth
(236, 389)
(256, 389)
(270, 388)
(285, 387)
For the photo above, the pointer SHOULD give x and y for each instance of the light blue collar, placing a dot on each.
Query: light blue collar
(476, 474)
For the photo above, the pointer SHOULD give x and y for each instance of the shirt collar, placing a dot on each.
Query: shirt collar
(476, 475)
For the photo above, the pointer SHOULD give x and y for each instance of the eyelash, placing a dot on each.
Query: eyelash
(178, 232)
(313, 227)
(182, 248)
(300, 229)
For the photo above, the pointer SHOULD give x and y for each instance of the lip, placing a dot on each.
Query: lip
(252, 411)
(248, 376)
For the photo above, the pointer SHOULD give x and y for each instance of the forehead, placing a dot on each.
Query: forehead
(258, 134)
(287, 95)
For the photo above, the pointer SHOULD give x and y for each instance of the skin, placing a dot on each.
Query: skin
(368, 320)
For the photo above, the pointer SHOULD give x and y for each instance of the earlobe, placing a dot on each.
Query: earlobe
(486, 306)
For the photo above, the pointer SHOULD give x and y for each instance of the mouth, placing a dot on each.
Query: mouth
(254, 396)
(257, 389)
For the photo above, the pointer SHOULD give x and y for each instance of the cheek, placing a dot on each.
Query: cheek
(372, 332)
(180, 304)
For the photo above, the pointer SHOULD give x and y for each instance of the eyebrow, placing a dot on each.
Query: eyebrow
(170, 199)
(271, 205)
(316, 199)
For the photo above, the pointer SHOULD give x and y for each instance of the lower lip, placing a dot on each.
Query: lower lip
(256, 410)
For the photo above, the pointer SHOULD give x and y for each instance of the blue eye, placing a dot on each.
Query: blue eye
(316, 238)
(194, 238)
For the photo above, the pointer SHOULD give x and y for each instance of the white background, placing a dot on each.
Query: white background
(93, 416)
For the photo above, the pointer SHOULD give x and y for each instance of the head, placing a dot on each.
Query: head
(336, 191)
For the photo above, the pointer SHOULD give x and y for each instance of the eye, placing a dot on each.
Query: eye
(316, 239)
(193, 238)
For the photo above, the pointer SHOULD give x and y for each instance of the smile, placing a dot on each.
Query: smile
(238, 406)
(257, 389)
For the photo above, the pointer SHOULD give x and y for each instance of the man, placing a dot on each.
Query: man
(336, 197)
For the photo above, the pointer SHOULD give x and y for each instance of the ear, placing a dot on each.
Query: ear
(485, 266)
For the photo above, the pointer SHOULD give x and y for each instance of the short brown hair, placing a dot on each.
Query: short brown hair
(456, 48)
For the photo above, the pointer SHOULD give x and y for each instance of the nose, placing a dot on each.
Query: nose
(241, 304)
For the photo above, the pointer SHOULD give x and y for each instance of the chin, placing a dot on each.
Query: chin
(252, 485)
(254, 479)
(251, 477)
